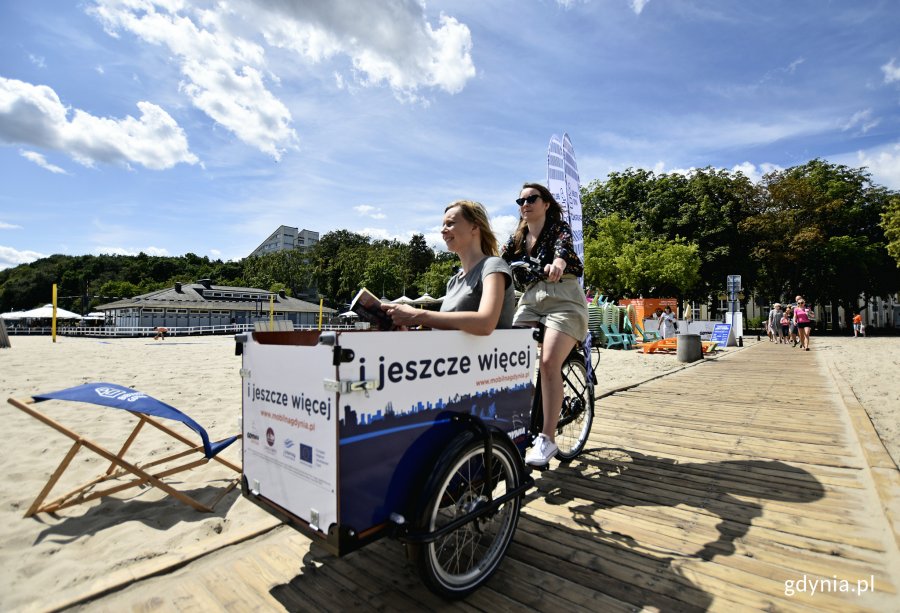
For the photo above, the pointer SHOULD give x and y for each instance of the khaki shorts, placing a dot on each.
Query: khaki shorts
(560, 306)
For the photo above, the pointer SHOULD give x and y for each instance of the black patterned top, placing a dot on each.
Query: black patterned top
(554, 241)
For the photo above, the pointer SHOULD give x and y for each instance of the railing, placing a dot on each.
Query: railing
(139, 331)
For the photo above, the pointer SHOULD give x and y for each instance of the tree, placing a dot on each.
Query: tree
(890, 222)
(619, 263)
(609, 237)
(435, 279)
(704, 207)
(818, 233)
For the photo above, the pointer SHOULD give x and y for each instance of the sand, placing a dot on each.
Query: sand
(53, 560)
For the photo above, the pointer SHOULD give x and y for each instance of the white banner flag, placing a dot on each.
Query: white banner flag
(556, 174)
(573, 196)
(565, 185)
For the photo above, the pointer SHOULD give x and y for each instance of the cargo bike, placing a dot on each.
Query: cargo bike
(352, 436)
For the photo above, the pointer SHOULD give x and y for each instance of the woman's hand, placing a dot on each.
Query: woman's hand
(404, 315)
(555, 270)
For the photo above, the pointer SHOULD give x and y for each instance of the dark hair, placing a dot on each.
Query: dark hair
(554, 214)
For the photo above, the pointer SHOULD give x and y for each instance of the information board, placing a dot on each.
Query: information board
(720, 334)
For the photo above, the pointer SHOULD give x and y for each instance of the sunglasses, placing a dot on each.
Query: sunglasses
(530, 199)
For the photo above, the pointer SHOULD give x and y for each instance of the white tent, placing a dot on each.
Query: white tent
(12, 315)
(349, 314)
(46, 312)
(402, 300)
(96, 316)
(425, 300)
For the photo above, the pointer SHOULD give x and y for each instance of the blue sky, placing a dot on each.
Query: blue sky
(175, 126)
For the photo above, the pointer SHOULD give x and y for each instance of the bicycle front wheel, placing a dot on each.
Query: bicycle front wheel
(458, 563)
(577, 414)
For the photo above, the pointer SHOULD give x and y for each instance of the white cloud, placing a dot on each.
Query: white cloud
(750, 170)
(387, 42)
(753, 172)
(223, 72)
(215, 253)
(884, 164)
(129, 250)
(40, 160)
(13, 257)
(221, 52)
(638, 5)
(891, 72)
(861, 120)
(9, 226)
(34, 115)
(37, 60)
(369, 211)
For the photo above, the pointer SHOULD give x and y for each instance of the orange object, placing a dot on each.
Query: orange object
(644, 308)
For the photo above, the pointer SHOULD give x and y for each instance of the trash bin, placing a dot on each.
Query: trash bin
(689, 348)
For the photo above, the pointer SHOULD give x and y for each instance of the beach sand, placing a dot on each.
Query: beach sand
(53, 560)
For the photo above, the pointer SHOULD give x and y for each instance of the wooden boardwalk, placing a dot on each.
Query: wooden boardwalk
(735, 484)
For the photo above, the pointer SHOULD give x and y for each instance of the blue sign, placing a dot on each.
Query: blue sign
(720, 334)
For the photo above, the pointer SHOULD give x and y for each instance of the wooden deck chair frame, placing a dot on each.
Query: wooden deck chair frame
(119, 466)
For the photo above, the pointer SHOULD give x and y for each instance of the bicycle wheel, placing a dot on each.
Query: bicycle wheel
(458, 563)
(577, 412)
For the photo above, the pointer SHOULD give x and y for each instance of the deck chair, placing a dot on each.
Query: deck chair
(145, 409)
(709, 346)
(612, 339)
(647, 335)
(660, 346)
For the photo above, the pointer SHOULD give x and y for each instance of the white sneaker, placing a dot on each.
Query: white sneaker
(542, 451)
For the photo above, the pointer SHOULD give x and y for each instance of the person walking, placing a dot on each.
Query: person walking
(803, 319)
(667, 325)
(774, 323)
(858, 328)
(790, 328)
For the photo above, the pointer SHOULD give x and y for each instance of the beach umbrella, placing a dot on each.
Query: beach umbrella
(426, 300)
(46, 312)
(403, 300)
(348, 314)
(95, 315)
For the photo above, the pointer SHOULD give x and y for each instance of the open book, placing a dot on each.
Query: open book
(368, 307)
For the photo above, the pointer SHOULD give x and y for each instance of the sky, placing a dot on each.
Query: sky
(178, 126)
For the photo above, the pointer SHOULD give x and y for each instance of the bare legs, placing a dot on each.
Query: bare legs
(556, 347)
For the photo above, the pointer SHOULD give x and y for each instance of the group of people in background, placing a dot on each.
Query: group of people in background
(790, 324)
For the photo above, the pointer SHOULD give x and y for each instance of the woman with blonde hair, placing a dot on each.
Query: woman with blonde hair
(480, 297)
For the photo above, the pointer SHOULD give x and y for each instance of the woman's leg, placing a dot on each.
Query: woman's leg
(556, 347)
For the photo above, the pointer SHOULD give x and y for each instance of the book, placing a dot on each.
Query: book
(368, 307)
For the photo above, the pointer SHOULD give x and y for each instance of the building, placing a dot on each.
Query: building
(205, 304)
(286, 237)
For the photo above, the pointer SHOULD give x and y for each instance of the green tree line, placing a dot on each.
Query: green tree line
(334, 269)
(822, 230)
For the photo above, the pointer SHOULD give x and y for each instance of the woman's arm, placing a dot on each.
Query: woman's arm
(481, 322)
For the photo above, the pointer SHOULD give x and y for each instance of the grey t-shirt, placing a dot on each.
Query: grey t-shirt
(464, 291)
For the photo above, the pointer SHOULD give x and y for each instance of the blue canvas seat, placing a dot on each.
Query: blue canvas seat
(146, 409)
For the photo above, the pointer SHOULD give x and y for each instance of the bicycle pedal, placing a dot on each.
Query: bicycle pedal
(540, 468)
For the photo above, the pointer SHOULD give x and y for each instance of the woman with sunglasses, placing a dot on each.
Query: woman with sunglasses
(803, 319)
(480, 296)
(554, 298)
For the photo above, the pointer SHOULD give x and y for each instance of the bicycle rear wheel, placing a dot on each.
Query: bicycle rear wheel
(577, 414)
